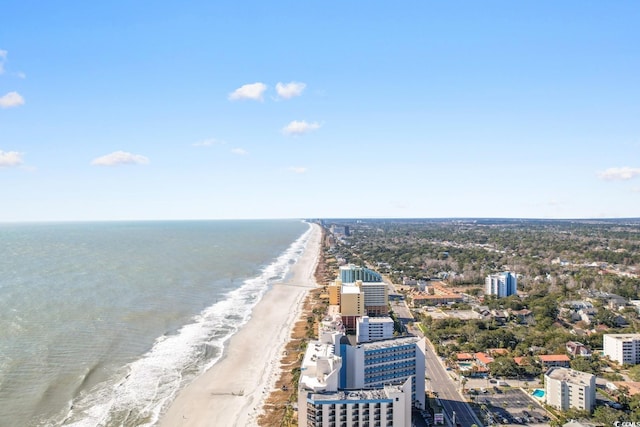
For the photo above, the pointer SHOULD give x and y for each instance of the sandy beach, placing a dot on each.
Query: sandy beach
(233, 391)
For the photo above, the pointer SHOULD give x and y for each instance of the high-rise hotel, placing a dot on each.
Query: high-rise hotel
(347, 385)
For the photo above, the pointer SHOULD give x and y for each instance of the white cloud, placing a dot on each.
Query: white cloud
(240, 151)
(297, 169)
(10, 159)
(21, 75)
(120, 158)
(300, 127)
(207, 142)
(290, 90)
(249, 91)
(614, 174)
(11, 99)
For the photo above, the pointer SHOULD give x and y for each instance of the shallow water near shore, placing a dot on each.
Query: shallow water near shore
(102, 323)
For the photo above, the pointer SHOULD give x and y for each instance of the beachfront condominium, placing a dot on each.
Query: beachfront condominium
(359, 299)
(351, 304)
(352, 273)
(501, 285)
(386, 407)
(569, 389)
(392, 361)
(323, 400)
(622, 348)
(376, 297)
(374, 329)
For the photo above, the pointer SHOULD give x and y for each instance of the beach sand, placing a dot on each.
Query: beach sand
(233, 391)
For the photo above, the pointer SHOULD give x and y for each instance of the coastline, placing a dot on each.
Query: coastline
(233, 391)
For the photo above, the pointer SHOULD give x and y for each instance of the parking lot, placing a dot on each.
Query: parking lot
(508, 406)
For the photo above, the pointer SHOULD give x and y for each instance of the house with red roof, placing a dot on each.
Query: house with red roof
(554, 360)
(521, 361)
(483, 359)
(464, 357)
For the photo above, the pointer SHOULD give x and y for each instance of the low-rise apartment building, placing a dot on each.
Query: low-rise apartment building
(569, 389)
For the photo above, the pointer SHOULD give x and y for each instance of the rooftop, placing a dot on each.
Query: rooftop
(385, 319)
(554, 358)
(374, 394)
(392, 342)
(624, 337)
(484, 358)
(315, 350)
(464, 356)
(569, 375)
(350, 289)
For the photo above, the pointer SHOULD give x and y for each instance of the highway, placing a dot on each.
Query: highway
(447, 390)
(439, 379)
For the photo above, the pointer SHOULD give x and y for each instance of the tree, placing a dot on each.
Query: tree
(608, 416)
(583, 364)
(634, 372)
(503, 367)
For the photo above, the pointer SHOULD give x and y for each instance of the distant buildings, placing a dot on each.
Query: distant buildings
(622, 348)
(340, 230)
(568, 389)
(359, 299)
(501, 285)
(352, 273)
(434, 294)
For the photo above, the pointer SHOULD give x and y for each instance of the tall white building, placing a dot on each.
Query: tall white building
(501, 285)
(623, 348)
(323, 403)
(566, 389)
(374, 329)
(391, 361)
(320, 369)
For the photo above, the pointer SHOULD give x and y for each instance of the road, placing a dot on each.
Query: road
(447, 390)
(439, 379)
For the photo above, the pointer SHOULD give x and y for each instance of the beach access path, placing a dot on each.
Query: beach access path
(232, 392)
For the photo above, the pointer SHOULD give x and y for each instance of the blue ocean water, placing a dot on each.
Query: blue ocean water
(102, 323)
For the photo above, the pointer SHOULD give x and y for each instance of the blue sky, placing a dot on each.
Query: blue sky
(209, 110)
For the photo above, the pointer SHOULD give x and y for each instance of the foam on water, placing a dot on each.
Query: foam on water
(144, 388)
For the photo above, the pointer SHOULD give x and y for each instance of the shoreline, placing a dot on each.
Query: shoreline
(233, 391)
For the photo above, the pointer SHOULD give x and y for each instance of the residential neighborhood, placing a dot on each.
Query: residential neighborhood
(538, 331)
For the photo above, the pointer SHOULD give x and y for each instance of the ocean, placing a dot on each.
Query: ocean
(102, 323)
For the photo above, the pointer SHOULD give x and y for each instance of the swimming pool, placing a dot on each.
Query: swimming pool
(539, 393)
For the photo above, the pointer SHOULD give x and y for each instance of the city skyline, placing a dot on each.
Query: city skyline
(225, 111)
